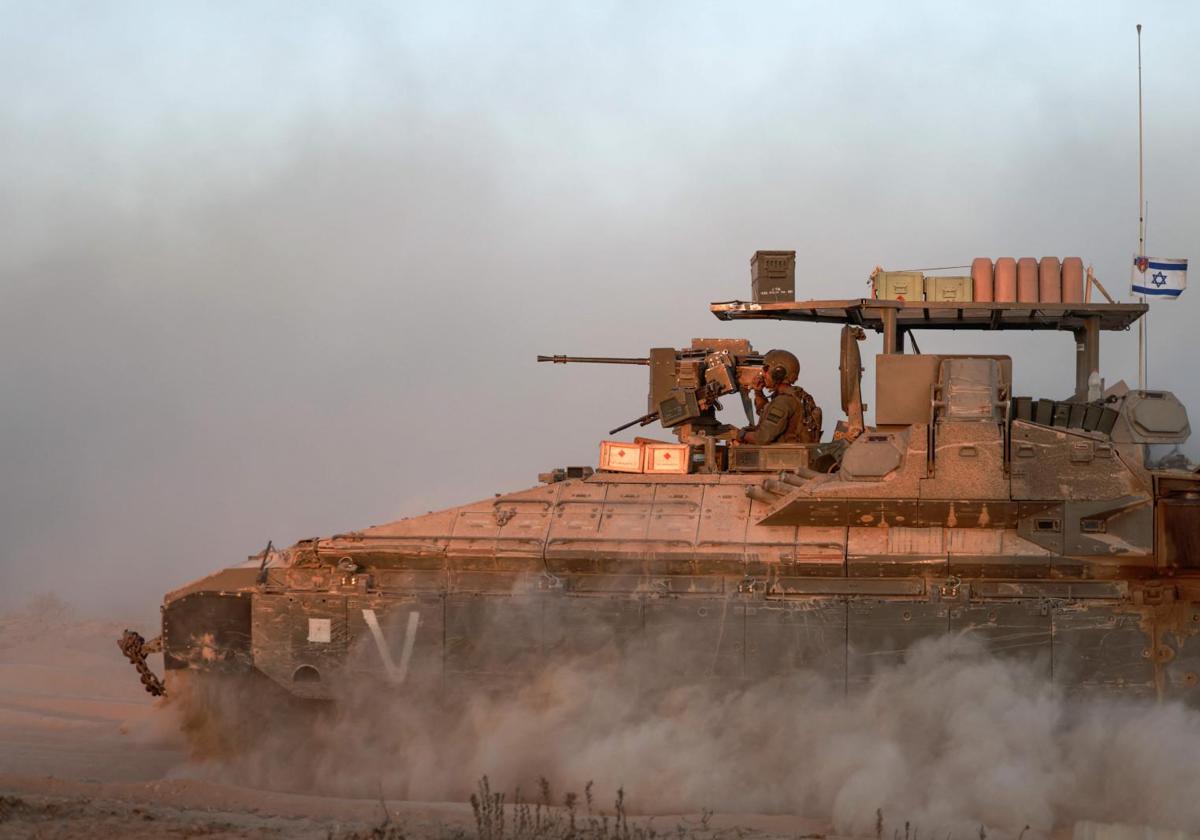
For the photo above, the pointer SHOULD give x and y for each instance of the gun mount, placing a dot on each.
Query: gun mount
(686, 385)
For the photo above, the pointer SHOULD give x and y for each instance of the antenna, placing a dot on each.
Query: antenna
(1141, 193)
(1141, 222)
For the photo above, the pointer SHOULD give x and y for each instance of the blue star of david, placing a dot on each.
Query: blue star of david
(1158, 279)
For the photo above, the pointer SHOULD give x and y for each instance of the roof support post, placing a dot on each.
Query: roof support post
(893, 338)
(1087, 356)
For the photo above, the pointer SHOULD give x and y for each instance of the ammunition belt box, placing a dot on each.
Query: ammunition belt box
(961, 289)
(898, 285)
(1066, 415)
(771, 458)
(773, 276)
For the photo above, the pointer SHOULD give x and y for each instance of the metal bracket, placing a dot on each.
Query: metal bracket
(1153, 596)
(749, 585)
(950, 590)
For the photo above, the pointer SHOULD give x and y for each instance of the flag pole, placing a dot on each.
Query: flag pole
(1145, 319)
(1141, 221)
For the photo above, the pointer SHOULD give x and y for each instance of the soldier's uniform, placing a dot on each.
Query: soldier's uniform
(791, 416)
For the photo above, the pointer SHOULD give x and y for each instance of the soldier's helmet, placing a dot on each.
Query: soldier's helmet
(784, 366)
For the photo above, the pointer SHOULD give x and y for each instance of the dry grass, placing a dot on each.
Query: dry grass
(912, 832)
(572, 818)
(498, 818)
(546, 819)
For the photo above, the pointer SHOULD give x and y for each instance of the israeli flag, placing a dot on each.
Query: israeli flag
(1158, 277)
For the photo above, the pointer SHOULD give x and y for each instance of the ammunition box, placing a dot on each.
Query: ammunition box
(899, 285)
(616, 456)
(773, 276)
(561, 474)
(1068, 415)
(1022, 408)
(960, 289)
(770, 458)
(667, 458)
(679, 407)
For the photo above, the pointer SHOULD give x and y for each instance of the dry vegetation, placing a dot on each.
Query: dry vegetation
(572, 818)
(542, 820)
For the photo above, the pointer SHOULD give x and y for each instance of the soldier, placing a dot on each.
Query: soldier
(790, 415)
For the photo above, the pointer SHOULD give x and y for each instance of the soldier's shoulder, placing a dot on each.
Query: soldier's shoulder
(789, 397)
(800, 394)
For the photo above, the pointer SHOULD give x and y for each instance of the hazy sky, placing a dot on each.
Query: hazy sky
(276, 270)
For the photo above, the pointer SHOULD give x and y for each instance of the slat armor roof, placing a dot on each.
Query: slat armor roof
(938, 315)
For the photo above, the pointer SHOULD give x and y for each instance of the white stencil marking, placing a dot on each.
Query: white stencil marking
(395, 674)
(320, 630)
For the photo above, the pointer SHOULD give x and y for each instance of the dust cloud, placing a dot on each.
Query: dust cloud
(279, 271)
(949, 741)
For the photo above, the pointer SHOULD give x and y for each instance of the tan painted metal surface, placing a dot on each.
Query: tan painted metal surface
(1042, 528)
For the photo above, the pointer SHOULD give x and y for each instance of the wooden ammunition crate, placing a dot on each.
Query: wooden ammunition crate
(667, 458)
(898, 285)
(616, 456)
(961, 289)
(773, 276)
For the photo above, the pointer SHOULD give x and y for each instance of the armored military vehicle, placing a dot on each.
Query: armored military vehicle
(1048, 528)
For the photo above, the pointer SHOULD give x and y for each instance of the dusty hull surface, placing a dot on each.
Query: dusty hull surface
(679, 576)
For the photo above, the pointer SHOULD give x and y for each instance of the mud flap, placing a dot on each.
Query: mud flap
(207, 630)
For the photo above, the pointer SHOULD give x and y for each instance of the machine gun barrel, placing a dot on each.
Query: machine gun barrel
(644, 420)
(685, 384)
(594, 360)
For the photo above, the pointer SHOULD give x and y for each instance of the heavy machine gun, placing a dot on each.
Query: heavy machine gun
(685, 385)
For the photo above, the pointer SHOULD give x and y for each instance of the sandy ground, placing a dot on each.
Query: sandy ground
(85, 752)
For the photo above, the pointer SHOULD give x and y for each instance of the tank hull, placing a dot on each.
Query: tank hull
(1041, 529)
(1097, 637)
(677, 574)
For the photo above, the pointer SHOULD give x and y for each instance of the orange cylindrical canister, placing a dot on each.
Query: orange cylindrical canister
(981, 278)
(1006, 280)
(1027, 280)
(1072, 280)
(1049, 280)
